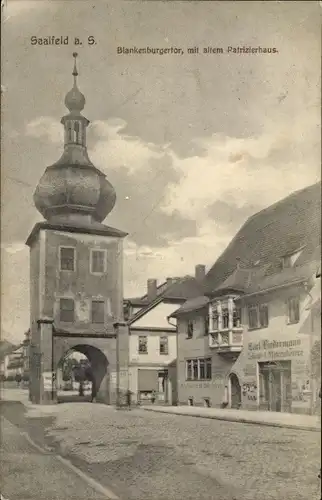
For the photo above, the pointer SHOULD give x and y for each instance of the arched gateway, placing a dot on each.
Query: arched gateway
(76, 287)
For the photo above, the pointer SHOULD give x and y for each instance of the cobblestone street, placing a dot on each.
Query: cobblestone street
(157, 456)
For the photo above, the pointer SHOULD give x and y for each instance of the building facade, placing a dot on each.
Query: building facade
(253, 340)
(12, 363)
(152, 338)
(76, 281)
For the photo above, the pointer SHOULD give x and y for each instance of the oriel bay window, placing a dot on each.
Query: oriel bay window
(224, 315)
(198, 369)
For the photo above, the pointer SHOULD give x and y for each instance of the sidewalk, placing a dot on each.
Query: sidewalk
(287, 420)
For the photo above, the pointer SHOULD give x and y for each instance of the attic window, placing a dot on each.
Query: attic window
(290, 259)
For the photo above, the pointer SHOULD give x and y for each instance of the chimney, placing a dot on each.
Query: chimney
(170, 281)
(152, 289)
(200, 272)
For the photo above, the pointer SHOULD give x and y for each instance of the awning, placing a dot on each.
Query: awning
(148, 380)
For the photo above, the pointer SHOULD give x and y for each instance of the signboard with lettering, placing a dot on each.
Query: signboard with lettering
(274, 349)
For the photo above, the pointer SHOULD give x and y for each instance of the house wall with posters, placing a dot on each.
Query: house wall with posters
(253, 340)
(277, 368)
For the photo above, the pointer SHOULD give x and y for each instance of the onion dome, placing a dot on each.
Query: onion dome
(73, 186)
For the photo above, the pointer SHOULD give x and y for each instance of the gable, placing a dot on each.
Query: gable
(156, 317)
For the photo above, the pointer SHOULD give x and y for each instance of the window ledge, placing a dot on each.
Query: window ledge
(142, 352)
(293, 322)
(257, 328)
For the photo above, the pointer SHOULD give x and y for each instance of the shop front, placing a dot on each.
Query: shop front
(276, 375)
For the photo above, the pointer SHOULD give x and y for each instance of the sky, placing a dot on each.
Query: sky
(193, 144)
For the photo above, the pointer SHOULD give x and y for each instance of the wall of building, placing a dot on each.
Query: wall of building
(198, 347)
(49, 284)
(71, 284)
(259, 345)
(279, 342)
(153, 360)
(157, 316)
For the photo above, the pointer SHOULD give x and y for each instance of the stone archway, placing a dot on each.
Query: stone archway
(234, 391)
(99, 367)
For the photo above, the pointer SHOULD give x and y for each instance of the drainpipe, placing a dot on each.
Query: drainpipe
(116, 326)
(116, 329)
(309, 308)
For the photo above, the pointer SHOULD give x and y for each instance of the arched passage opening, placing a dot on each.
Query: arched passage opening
(235, 391)
(84, 369)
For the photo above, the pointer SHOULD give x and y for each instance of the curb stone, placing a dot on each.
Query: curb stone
(238, 420)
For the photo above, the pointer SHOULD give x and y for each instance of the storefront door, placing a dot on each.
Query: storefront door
(275, 386)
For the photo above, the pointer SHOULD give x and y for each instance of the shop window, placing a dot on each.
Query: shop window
(98, 261)
(67, 310)
(198, 369)
(164, 345)
(98, 311)
(143, 344)
(208, 369)
(67, 258)
(189, 369)
(293, 304)
(190, 401)
(207, 402)
(195, 369)
(190, 329)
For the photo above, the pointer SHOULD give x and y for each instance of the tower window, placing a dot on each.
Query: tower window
(98, 261)
(67, 259)
(67, 310)
(77, 134)
(98, 311)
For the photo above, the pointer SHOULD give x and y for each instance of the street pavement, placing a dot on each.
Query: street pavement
(145, 455)
(28, 473)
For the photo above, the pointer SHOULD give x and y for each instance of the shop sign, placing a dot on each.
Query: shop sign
(273, 349)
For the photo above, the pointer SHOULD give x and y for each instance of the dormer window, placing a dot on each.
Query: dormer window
(290, 259)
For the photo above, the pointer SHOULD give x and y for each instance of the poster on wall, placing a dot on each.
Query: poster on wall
(49, 381)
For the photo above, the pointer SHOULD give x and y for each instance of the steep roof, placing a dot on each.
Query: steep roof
(6, 347)
(252, 262)
(267, 236)
(181, 290)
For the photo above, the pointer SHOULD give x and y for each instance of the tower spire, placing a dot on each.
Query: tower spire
(73, 187)
(75, 72)
(75, 100)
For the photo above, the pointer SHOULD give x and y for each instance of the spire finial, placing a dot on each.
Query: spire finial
(75, 72)
(75, 101)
